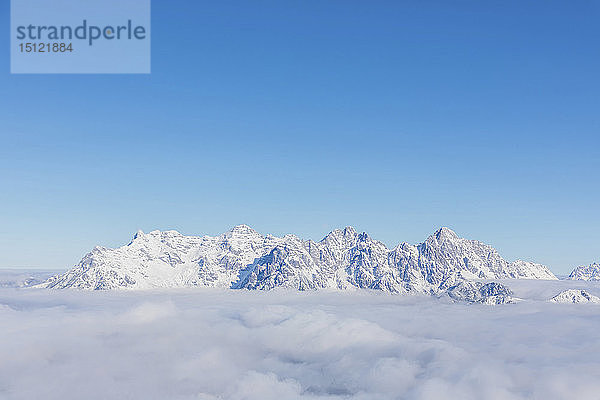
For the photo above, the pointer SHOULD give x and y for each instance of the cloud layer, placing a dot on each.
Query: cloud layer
(195, 344)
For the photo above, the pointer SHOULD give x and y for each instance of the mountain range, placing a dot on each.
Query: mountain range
(344, 259)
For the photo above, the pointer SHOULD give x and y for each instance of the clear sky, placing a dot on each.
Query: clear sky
(396, 117)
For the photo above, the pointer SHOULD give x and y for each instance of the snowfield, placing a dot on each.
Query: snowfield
(202, 343)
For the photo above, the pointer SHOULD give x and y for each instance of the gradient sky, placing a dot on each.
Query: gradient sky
(396, 117)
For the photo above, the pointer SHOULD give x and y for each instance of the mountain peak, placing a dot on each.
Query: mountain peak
(337, 234)
(586, 272)
(242, 229)
(445, 233)
(138, 235)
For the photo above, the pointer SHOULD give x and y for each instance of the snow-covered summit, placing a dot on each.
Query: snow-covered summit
(445, 233)
(244, 258)
(586, 273)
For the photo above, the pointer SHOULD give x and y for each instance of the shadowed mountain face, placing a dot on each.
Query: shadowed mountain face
(244, 259)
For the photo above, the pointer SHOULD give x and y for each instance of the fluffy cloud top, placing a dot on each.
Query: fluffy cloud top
(207, 344)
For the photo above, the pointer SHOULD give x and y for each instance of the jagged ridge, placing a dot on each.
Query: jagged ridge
(244, 259)
(586, 273)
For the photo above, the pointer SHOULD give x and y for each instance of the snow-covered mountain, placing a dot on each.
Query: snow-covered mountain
(244, 259)
(575, 296)
(586, 273)
(168, 259)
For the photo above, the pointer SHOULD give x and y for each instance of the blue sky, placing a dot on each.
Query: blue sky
(303, 116)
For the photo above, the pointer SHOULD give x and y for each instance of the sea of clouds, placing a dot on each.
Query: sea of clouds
(213, 344)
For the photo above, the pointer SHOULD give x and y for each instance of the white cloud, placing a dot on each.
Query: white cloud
(204, 344)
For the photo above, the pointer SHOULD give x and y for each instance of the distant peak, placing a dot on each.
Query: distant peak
(337, 234)
(243, 228)
(347, 231)
(445, 233)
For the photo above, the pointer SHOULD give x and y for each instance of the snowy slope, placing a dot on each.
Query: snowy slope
(586, 273)
(243, 258)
